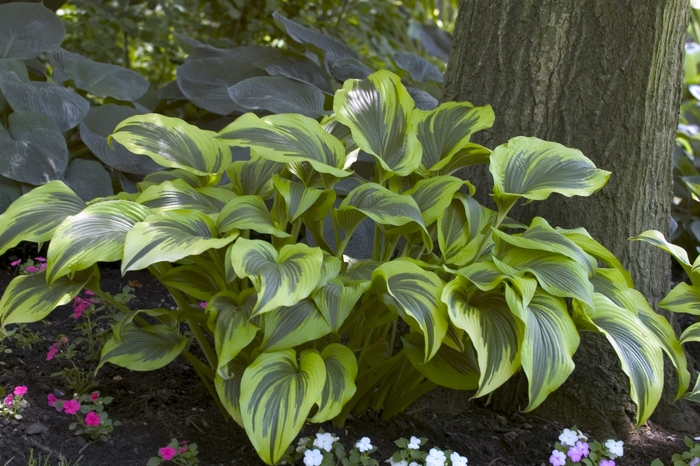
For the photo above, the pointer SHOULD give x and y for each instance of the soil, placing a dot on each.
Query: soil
(156, 406)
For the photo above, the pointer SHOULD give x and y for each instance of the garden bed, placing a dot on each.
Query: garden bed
(156, 406)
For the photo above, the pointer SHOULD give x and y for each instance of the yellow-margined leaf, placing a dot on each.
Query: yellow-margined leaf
(449, 368)
(253, 177)
(460, 230)
(229, 318)
(173, 143)
(247, 212)
(228, 387)
(300, 201)
(683, 298)
(194, 280)
(581, 237)
(144, 348)
(337, 300)
(287, 327)
(341, 370)
(276, 397)
(433, 195)
(378, 110)
(96, 234)
(178, 195)
(657, 239)
(178, 174)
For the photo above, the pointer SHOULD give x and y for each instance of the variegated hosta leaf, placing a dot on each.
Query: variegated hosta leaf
(276, 397)
(611, 284)
(495, 332)
(96, 234)
(638, 350)
(549, 342)
(449, 368)
(381, 205)
(540, 236)
(196, 181)
(281, 279)
(288, 138)
(581, 237)
(36, 215)
(531, 168)
(287, 327)
(434, 195)
(683, 298)
(461, 230)
(300, 201)
(172, 143)
(471, 154)
(144, 348)
(657, 239)
(337, 300)
(194, 280)
(228, 387)
(378, 111)
(485, 275)
(415, 295)
(253, 177)
(29, 299)
(170, 236)
(247, 212)
(692, 333)
(341, 371)
(360, 271)
(330, 268)
(179, 195)
(230, 319)
(445, 130)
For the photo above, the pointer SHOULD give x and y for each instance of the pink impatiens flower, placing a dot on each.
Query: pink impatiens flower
(557, 459)
(182, 449)
(578, 451)
(8, 400)
(607, 463)
(94, 396)
(167, 453)
(52, 352)
(31, 269)
(79, 306)
(20, 391)
(40, 259)
(51, 399)
(71, 406)
(16, 263)
(92, 419)
(203, 304)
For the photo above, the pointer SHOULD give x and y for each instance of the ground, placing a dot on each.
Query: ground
(156, 406)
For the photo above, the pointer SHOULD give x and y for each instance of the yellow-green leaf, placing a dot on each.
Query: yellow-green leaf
(144, 348)
(341, 371)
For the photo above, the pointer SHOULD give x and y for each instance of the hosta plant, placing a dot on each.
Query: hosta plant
(343, 266)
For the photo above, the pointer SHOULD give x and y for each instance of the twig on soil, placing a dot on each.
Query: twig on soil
(499, 458)
(41, 447)
(80, 452)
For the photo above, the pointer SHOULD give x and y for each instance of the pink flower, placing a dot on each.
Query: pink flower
(16, 263)
(203, 304)
(42, 266)
(40, 259)
(8, 399)
(607, 463)
(71, 406)
(167, 453)
(31, 269)
(92, 419)
(182, 449)
(79, 305)
(577, 451)
(557, 459)
(21, 390)
(51, 399)
(64, 339)
(89, 293)
(94, 396)
(52, 352)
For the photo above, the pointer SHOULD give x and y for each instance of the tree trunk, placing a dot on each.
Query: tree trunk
(605, 78)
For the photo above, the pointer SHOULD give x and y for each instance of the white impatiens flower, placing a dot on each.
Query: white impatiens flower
(301, 444)
(313, 457)
(568, 438)
(364, 444)
(458, 460)
(435, 458)
(615, 448)
(325, 441)
(414, 444)
(397, 463)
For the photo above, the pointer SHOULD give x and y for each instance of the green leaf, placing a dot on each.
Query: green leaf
(247, 212)
(495, 332)
(277, 94)
(337, 300)
(281, 279)
(29, 299)
(276, 397)
(378, 111)
(415, 295)
(228, 387)
(460, 230)
(531, 168)
(233, 330)
(144, 348)
(194, 280)
(287, 327)
(96, 234)
(28, 29)
(88, 179)
(445, 131)
(309, 203)
(449, 368)
(418, 67)
(485, 275)
(692, 333)
(683, 298)
(288, 138)
(170, 236)
(581, 237)
(657, 239)
(171, 142)
(550, 340)
(179, 195)
(341, 371)
(253, 177)
(470, 154)
(434, 195)
(36, 215)
(299, 68)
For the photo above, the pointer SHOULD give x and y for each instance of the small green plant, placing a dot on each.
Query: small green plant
(76, 379)
(91, 420)
(691, 457)
(46, 461)
(13, 404)
(182, 453)
(574, 449)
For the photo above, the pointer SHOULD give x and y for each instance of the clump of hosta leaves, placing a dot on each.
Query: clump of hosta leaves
(343, 267)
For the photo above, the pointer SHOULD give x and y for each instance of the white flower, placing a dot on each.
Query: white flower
(458, 460)
(395, 463)
(364, 444)
(413, 463)
(414, 444)
(301, 444)
(435, 458)
(568, 438)
(313, 457)
(325, 441)
(615, 448)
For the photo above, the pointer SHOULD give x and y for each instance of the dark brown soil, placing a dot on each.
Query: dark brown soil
(171, 402)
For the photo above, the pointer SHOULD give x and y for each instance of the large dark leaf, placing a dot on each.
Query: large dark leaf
(423, 100)
(28, 29)
(171, 91)
(436, 42)
(332, 49)
(10, 190)
(64, 106)
(88, 179)
(278, 94)
(206, 82)
(299, 68)
(245, 53)
(100, 79)
(34, 150)
(350, 68)
(418, 67)
(100, 123)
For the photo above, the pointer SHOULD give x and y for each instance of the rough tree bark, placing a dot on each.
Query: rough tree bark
(603, 77)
